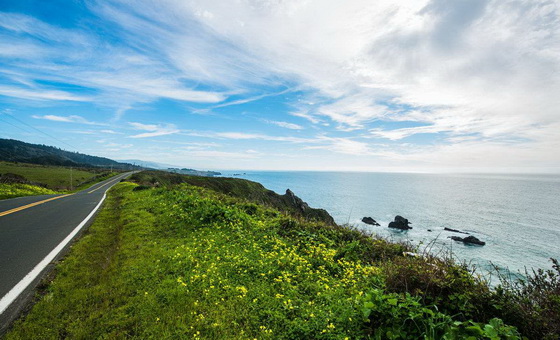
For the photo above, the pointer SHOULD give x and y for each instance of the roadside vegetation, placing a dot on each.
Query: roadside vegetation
(174, 260)
(13, 190)
(21, 179)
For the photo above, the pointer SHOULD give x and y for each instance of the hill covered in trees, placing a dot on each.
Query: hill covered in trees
(17, 151)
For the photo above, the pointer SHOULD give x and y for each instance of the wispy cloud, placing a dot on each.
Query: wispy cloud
(251, 99)
(342, 145)
(153, 130)
(424, 53)
(81, 58)
(249, 136)
(286, 125)
(339, 145)
(111, 132)
(453, 69)
(42, 94)
(68, 119)
(305, 114)
(210, 154)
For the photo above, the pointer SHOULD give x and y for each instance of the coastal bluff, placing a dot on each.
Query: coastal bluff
(240, 188)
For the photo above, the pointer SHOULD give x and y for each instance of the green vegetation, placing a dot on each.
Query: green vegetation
(20, 179)
(12, 150)
(533, 303)
(18, 190)
(52, 177)
(243, 189)
(178, 261)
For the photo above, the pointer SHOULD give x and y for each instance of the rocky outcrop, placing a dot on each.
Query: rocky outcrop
(400, 223)
(469, 239)
(369, 220)
(303, 209)
(297, 202)
(455, 230)
(241, 188)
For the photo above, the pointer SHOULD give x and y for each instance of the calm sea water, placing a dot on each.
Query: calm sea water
(518, 216)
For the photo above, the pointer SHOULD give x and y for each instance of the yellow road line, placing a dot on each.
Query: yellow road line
(7, 212)
(101, 186)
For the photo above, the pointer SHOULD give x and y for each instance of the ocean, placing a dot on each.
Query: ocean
(518, 216)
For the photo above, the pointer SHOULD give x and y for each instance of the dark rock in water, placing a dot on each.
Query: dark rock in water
(400, 223)
(369, 220)
(455, 230)
(401, 219)
(469, 239)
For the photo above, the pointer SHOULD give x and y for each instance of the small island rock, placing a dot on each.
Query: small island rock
(369, 220)
(469, 239)
(400, 223)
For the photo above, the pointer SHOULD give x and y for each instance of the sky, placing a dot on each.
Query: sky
(330, 85)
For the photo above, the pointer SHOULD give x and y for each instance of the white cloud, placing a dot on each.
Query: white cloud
(210, 154)
(42, 94)
(119, 75)
(339, 145)
(154, 130)
(249, 136)
(484, 68)
(66, 119)
(286, 125)
(141, 126)
(342, 145)
(305, 114)
(250, 99)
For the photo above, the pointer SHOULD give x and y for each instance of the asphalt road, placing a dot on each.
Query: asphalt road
(29, 233)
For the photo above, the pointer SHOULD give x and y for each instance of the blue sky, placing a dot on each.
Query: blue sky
(466, 85)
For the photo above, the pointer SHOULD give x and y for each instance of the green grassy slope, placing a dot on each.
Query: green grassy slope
(240, 188)
(186, 262)
(32, 179)
(53, 177)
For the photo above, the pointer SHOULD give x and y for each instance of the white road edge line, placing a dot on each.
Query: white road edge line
(10, 297)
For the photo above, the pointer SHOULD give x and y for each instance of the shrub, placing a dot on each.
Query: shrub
(402, 316)
(441, 282)
(532, 303)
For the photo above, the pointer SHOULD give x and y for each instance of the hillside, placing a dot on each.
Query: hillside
(17, 151)
(22, 179)
(169, 259)
(240, 188)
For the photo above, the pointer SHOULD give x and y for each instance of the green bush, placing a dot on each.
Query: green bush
(532, 303)
(402, 316)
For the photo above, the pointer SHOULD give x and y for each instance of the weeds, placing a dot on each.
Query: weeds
(532, 302)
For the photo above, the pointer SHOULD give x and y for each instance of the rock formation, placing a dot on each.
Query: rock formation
(369, 220)
(294, 203)
(400, 223)
(469, 239)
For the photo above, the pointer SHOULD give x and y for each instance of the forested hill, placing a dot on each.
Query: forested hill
(17, 151)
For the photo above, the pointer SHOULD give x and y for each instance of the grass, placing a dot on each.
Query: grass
(187, 262)
(21, 179)
(19, 190)
(240, 188)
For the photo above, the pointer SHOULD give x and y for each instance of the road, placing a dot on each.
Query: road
(33, 231)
